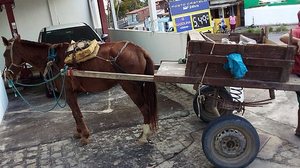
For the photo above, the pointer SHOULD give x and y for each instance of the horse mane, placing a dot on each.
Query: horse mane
(35, 44)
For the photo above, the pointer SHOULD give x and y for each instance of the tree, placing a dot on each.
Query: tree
(124, 6)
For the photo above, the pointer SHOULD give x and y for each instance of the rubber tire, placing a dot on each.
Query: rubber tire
(225, 123)
(205, 116)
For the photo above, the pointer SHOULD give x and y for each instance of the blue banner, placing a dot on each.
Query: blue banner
(183, 24)
(187, 6)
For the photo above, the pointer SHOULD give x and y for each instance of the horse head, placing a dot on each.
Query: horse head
(13, 63)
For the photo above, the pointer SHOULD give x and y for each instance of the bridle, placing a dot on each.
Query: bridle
(12, 64)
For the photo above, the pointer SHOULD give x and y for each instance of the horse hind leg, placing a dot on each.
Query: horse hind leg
(145, 135)
(146, 129)
(135, 92)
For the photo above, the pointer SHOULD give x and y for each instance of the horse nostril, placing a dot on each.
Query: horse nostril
(8, 75)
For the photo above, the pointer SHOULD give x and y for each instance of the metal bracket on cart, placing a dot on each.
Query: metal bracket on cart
(214, 101)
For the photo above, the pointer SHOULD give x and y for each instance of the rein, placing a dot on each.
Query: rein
(62, 73)
(49, 81)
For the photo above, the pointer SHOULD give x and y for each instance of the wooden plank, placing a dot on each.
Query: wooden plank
(268, 41)
(216, 70)
(255, 36)
(217, 37)
(248, 60)
(195, 36)
(175, 73)
(265, 51)
(111, 75)
(249, 50)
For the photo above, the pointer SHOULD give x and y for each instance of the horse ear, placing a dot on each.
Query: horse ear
(5, 41)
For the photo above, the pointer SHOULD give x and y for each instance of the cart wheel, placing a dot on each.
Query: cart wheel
(230, 141)
(206, 115)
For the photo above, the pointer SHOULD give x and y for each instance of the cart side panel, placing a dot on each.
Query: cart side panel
(264, 62)
(258, 37)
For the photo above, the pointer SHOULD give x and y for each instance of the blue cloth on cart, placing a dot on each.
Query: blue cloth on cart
(236, 65)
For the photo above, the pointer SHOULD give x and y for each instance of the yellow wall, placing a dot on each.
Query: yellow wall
(217, 21)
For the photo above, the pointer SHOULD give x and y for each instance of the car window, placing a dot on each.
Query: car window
(68, 34)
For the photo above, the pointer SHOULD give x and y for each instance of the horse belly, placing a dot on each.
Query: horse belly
(96, 85)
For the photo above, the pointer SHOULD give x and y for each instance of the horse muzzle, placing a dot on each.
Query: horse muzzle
(8, 75)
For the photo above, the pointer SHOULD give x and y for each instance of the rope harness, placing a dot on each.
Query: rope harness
(113, 60)
(62, 73)
(48, 79)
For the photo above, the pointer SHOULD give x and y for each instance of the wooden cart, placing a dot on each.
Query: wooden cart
(230, 140)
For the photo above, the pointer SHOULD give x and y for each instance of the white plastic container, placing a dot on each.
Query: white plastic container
(3, 99)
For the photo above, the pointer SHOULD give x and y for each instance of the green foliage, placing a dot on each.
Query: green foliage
(281, 28)
(253, 30)
(271, 29)
(124, 6)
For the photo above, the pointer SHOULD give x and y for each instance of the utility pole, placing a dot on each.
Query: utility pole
(153, 15)
(10, 16)
(113, 13)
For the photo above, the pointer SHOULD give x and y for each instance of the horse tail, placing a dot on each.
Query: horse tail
(150, 94)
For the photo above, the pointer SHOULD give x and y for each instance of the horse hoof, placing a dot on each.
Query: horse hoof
(150, 142)
(84, 141)
(143, 141)
(76, 135)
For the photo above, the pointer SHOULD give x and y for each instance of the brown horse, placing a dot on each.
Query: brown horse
(129, 58)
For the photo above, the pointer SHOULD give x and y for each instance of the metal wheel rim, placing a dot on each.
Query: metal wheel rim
(230, 143)
(244, 148)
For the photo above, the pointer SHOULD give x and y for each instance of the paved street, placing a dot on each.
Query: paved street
(35, 139)
(31, 138)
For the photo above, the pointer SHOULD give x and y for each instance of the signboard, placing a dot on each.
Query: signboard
(187, 6)
(190, 14)
(273, 12)
(201, 20)
(183, 24)
(259, 3)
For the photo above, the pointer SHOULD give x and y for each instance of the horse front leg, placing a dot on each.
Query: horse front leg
(82, 130)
